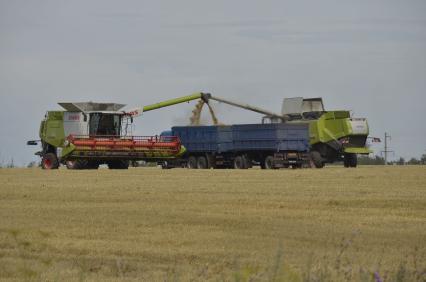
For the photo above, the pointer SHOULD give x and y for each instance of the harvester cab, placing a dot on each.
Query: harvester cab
(300, 108)
(96, 119)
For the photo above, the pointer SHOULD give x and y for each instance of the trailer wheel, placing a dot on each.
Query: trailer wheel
(192, 162)
(202, 162)
(316, 159)
(240, 162)
(350, 160)
(269, 162)
(247, 162)
(118, 164)
(49, 161)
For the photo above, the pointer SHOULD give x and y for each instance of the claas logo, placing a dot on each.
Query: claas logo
(74, 117)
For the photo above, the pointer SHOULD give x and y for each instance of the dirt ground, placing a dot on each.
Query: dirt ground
(220, 225)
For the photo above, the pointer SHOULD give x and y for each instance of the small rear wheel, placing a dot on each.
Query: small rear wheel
(49, 161)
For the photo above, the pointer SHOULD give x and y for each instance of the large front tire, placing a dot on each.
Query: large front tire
(316, 159)
(49, 161)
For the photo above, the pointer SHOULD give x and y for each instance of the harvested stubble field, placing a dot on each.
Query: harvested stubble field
(332, 224)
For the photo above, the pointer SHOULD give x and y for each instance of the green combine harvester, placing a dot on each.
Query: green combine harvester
(334, 135)
(85, 135)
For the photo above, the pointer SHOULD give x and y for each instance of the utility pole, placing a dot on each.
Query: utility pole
(386, 151)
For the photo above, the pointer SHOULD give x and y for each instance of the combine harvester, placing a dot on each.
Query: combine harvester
(334, 135)
(86, 135)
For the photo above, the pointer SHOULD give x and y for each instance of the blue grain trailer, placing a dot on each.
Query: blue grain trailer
(241, 146)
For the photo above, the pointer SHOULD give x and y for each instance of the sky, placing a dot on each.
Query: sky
(366, 56)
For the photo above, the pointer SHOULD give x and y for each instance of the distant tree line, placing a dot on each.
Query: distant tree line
(377, 160)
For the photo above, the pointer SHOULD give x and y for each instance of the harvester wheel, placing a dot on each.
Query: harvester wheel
(77, 164)
(202, 162)
(269, 162)
(350, 160)
(49, 161)
(118, 164)
(192, 162)
(316, 159)
(70, 164)
(240, 162)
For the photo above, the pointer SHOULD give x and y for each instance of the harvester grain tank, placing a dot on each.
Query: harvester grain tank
(85, 135)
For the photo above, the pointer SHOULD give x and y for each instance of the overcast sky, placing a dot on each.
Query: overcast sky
(365, 56)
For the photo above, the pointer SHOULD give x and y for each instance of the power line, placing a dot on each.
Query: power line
(386, 151)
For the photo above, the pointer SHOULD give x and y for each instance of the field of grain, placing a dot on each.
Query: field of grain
(331, 224)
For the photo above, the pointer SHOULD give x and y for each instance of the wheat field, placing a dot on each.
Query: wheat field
(148, 224)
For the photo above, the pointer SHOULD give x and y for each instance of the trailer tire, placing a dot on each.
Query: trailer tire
(49, 161)
(247, 162)
(240, 162)
(192, 162)
(316, 159)
(269, 162)
(202, 162)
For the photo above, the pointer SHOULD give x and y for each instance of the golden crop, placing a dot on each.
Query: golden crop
(220, 225)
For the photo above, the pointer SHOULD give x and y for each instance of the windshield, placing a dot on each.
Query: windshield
(105, 124)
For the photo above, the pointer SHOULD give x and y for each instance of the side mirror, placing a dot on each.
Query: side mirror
(84, 117)
(131, 119)
(32, 142)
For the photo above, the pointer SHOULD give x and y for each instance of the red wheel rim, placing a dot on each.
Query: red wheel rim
(47, 163)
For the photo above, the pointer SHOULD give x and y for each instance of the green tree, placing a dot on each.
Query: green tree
(413, 161)
(423, 159)
(366, 160)
(401, 161)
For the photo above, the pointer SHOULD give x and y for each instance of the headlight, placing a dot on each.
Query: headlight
(66, 143)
